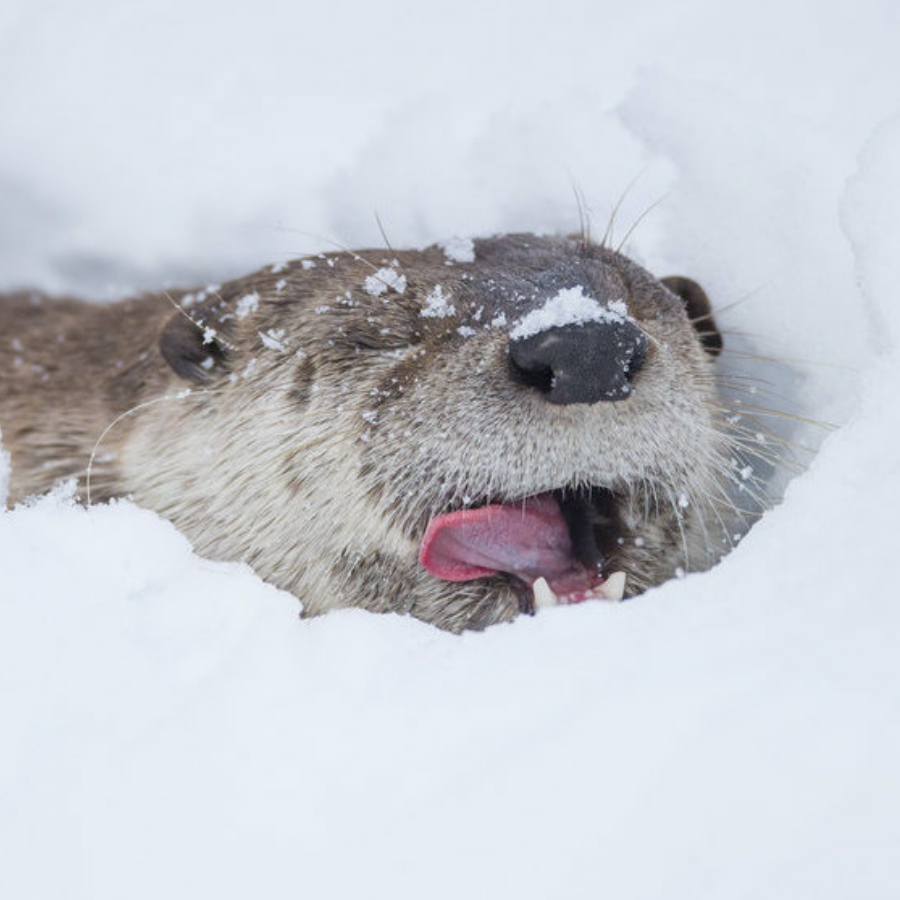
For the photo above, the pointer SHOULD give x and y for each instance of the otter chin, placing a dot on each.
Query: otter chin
(464, 433)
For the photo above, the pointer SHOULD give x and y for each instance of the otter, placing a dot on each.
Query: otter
(463, 433)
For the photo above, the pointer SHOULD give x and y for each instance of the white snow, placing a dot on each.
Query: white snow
(459, 249)
(437, 304)
(273, 339)
(384, 280)
(246, 305)
(569, 306)
(170, 727)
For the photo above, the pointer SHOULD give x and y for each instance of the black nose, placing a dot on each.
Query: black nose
(580, 363)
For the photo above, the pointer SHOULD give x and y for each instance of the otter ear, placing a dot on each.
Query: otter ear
(699, 310)
(192, 349)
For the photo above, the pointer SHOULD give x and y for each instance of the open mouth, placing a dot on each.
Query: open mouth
(555, 546)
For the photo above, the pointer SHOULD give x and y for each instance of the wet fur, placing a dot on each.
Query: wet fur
(321, 462)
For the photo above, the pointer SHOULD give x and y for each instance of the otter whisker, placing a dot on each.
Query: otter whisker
(342, 247)
(584, 218)
(641, 218)
(751, 443)
(728, 307)
(728, 533)
(610, 225)
(787, 360)
(181, 395)
(384, 236)
(678, 512)
(750, 386)
(757, 439)
(730, 332)
(741, 407)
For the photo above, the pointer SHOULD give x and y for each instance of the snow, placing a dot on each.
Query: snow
(273, 339)
(569, 306)
(170, 727)
(246, 305)
(437, 304)
(459, 249)
(384, 280)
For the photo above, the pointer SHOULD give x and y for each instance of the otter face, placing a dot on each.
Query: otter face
(460, 439)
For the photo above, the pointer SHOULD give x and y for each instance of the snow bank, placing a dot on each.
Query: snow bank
(171, 727)
(871, 219)
(174, 729)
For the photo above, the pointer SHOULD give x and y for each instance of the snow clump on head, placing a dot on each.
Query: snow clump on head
(437, 305)
(459, 249)
(384, 280)
(247, 304)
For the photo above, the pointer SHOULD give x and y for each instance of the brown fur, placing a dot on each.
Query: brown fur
(327, 425)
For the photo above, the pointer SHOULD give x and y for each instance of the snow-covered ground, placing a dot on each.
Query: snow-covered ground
(169, 727)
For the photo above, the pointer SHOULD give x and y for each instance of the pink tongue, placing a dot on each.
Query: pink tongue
(529, 539)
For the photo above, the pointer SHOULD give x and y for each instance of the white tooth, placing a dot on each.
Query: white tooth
(614, 587)
(543, 594)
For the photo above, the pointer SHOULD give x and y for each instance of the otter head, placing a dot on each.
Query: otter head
(461, 437)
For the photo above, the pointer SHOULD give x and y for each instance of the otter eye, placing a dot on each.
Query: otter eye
(382, 325)
(374, 334)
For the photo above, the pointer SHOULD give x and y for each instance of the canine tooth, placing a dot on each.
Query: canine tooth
(543, 594)
(614, 587)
